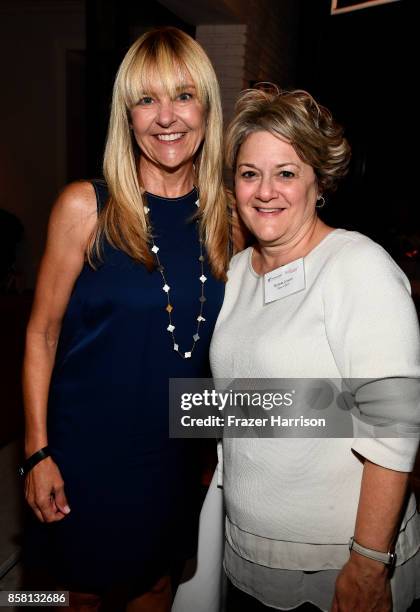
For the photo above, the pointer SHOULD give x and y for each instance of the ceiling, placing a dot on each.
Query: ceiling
(205, 11)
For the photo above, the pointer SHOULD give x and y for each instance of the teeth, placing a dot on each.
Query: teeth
(268, 210)
(168, 137)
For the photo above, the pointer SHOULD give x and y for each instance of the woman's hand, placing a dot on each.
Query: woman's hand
(44, 492)
(362, 586)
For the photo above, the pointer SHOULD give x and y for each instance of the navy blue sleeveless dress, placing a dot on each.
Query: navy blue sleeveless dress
(133, 492)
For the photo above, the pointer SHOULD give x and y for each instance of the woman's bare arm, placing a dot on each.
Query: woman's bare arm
(363, 584)
(72, 220)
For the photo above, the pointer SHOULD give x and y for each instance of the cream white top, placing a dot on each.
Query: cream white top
(292, 503)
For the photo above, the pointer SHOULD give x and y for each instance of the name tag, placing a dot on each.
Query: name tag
(284, 281)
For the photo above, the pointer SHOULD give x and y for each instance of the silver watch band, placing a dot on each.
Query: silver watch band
(388, 558)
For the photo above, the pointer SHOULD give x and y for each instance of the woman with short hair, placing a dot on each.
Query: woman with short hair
(342, 311)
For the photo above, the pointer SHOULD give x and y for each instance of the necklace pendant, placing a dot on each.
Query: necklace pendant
(170, 328)
(187, 355)
(155, 248)
(203, 278)
(200, 318)
(166, 288)
(169, 308)
(176, 347)
(196, 337)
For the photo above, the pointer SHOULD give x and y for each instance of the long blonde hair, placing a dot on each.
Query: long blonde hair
(167, 52)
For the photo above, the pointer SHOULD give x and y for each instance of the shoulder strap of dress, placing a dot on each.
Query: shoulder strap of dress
(102, 193)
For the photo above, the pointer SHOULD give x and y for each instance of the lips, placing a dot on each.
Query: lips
(266, 211)
(170, 137)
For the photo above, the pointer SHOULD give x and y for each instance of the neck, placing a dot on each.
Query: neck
(270, 257)
(166, 182)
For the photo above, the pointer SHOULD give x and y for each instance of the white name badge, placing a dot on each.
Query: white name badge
(284, 281)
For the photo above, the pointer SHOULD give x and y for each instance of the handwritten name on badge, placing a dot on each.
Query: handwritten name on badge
(284, 281)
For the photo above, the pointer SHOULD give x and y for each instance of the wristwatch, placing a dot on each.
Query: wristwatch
(389, 558)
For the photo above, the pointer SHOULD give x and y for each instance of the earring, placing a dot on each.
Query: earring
(323, 202)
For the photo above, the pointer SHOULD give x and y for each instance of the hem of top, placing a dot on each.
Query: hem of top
(253, 594)
(344, 545)
(256, 535)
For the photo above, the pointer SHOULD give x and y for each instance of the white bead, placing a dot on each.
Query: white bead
(166, 288)
(176, 347)
(203, 278)
(170, 328)
(155, 248)
(196, 337)
(200, 318)
(197, 202)
(187, 355)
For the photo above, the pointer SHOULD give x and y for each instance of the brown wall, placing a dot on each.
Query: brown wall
(33, 39)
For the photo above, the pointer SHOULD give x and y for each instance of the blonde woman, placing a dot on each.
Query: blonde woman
(128, 292)
(342, 311)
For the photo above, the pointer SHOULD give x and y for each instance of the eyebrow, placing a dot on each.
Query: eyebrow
(185, 86)
(276, 166)
(178, 88)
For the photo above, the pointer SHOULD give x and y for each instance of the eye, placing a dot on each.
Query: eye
(184, 96)
(145, 101)
(287, 174)
(247, 174)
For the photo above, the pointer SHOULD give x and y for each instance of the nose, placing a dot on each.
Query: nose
(266, 190)
(166, 115)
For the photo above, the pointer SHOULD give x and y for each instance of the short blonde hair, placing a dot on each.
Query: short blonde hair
(169, 53)
(297, 118)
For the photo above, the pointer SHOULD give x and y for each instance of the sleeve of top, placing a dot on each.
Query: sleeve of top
(372, 328)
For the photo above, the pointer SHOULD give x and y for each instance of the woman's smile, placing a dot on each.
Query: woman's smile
(269, 211)
(275, 190)
(170, 138)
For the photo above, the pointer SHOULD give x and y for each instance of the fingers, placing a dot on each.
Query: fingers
(38, 513)
(45, 508)
(44, 491)
(48, 509)
(61, 500)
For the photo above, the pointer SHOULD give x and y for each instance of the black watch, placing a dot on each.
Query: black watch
(31, 462)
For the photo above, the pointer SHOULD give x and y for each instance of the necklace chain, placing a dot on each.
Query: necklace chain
(167, 290)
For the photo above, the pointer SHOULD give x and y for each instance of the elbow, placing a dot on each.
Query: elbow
(47, 335)
(51, 338)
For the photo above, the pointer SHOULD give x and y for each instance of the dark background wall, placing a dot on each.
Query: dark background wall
(59, 58)
(361, 65)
